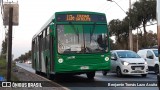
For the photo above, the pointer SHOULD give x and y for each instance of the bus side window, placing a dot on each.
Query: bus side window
(43, 40)
(44, 34)
(33, 45)
(47, 38)
(37, 44)
(48, 30)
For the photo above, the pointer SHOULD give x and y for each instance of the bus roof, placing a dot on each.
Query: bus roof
(44, 26)
(63, 12)
(78, 12)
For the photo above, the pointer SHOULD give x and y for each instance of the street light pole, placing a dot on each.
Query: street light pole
(130, 30)
(117, 5)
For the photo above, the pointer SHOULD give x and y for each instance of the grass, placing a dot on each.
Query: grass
(3, 66)
(3, 69)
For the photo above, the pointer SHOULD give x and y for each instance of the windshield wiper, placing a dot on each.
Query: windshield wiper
(94, 26)
(70, 23)
(76, 31)
(92, 31)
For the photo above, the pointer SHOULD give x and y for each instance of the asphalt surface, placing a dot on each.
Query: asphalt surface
(100, 82)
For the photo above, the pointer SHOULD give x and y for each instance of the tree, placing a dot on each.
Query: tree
(142, 12)
(120, 30)
(151, 40)
(24, 57)
(4, 47)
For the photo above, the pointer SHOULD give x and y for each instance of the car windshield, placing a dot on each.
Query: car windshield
(127, 54)
(155, 52)
(82, 38)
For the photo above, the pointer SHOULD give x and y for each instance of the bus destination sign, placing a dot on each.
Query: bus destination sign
(81, 18)
(78, 17)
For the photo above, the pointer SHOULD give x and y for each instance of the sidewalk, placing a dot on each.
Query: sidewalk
(27, 76)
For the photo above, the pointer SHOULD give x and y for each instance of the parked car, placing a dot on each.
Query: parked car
(127, 62)
(151, 56)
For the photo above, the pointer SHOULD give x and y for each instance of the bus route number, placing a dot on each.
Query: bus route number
(78, 17)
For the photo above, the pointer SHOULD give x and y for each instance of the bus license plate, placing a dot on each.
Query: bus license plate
(84, 67)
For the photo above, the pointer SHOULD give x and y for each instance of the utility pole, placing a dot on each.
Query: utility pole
(10, 44)
(10, 18)
(130, 29)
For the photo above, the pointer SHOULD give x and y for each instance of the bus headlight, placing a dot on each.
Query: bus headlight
(60, 60)
(106, 58)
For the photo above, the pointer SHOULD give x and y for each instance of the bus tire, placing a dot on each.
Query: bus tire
(104, 73)
(47, 70)
(37, 72)
(90, 75)
(50, 76)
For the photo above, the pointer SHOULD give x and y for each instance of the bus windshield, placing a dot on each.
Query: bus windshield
(82, 38)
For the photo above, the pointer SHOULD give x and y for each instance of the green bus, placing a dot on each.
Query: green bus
(72, 42)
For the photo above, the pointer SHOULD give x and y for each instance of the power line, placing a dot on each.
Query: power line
(113, 5)
(104, 6)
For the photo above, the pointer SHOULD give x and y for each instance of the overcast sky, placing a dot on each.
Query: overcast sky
(34, 13)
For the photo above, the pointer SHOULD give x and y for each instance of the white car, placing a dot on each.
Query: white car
(151, 56)
(127, 62)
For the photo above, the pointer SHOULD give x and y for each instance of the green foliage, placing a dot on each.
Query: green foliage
(142, 12)
(3, 69)
(120, 30)
(4, 48)
(24, 57)
(2, 63)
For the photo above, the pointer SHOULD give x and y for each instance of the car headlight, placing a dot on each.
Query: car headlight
(125, 63)
(145, 63)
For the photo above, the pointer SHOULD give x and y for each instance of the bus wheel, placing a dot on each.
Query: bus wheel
(104, 73)
(47, 70)
(90, 75)
(37, 72)
(49, 76)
